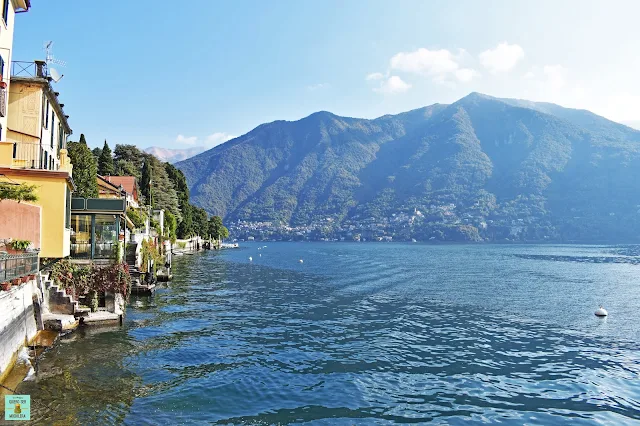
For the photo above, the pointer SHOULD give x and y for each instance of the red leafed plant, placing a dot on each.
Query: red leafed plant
(81, 280)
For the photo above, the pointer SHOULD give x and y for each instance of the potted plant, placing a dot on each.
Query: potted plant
(6, 286)
(20, 246)
(24, 279)
(32, 277)
(16, 281)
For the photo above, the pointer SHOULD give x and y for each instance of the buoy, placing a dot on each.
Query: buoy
(301, 261)
(260, 255)
(601, 312)
(250, 258)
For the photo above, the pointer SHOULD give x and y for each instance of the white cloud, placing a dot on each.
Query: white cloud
(466, 74)
(556, 76)
(502, 58)
(210, 141)
(318, 86)
(392, 85)
(190, 140)
(529, 75)
(217, 138)
(374, 76)
(424, 61)
(441, 65)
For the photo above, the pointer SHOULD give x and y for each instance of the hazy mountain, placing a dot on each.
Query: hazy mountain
(481, 167)
(173, 155)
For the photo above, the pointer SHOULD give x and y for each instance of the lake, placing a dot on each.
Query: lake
(368, 333)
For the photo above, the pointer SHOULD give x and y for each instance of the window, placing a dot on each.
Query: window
(81, 236)
(60, 136)
(46, 117)
(5, 12)
(1, 66)
(53, 126)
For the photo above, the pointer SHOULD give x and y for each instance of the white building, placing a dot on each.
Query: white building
(37, 124)
(8, 9)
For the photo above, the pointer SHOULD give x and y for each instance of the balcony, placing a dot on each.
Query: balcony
(34, 69)
(27, 155)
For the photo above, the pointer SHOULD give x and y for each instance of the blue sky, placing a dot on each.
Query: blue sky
(178, 74)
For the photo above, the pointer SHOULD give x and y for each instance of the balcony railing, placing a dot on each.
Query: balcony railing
(29, 69)
(33, 156)
(17, 265)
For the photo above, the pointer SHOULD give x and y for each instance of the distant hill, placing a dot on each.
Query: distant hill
(173, 155)
(481, 168)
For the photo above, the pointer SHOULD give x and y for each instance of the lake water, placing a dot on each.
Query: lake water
(363, 334)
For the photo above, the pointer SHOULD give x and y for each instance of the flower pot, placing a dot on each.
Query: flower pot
(6, 286)
(16, 281)
(32, 277)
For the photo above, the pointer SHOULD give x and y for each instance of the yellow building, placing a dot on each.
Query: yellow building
(34, 152)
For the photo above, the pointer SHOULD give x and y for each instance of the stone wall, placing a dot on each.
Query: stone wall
(17, 322)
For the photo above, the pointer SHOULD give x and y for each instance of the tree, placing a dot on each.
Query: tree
(85, 169)
(185, 227)
(105, 162)
(145, 182)
(97, 152)
(162, 193)
(216, 229)
(200, 222)
(170, 225)
(132, 155)
(18, 192)
(126, 168)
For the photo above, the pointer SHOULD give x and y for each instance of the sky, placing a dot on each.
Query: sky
(196, 73)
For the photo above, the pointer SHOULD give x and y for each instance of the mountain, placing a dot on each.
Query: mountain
(171, 155)
(482, 168)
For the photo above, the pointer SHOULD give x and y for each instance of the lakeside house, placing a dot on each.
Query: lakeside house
(129, 185)
(99, 225)
(33, 151)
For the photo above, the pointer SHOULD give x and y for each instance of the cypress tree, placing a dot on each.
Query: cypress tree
(105, 162)
(85, 169)
(145, 181)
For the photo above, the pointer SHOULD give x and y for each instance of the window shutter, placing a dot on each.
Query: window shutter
(5, 12)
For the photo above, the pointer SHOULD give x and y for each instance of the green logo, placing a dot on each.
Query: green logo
(17, 407)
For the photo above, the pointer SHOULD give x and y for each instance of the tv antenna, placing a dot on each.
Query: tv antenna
(53, 73)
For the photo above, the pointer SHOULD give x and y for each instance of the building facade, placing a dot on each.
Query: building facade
(9, 9)
(33, 151)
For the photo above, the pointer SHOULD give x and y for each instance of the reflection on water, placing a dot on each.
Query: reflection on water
(358, 334)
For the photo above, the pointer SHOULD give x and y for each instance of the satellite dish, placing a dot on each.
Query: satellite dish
(55, 75)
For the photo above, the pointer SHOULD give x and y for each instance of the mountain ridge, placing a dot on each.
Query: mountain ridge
(497, 160)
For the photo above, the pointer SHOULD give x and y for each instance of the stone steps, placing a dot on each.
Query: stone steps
(59, 301)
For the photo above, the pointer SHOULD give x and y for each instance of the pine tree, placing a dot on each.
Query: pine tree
(105, 162)
(85, 169)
